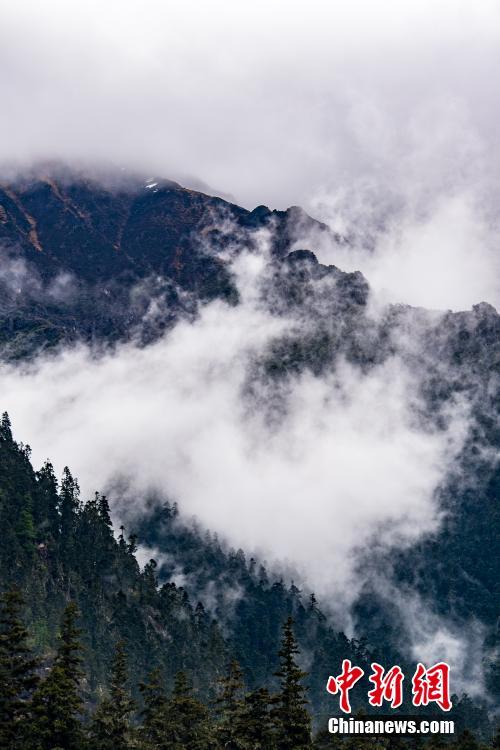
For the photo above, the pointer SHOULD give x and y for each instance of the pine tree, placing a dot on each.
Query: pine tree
(69, 505)
(18, 675)
(5, 428)
(57, 704)
(111, 726)
(105, 512)
(45, 511)
(292, 721)
(256, 725)
(188, 721)
(149, 581)
(231, 708)
(154, 729)
(25, 527)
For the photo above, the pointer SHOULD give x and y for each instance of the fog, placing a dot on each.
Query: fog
(346, 463)
(271, 103)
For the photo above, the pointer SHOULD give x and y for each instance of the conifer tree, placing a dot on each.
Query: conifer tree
(57, 704)
(149, 580)
(231, 708)
(18, 675)
(256, 726)
(69, 505)
(5, 428)
(200, 616)
(188, 721)
(292, 721)
(45, 511)
(132, 544)
(154, 729)
(25, 528)
(111, 727)
(105, 512)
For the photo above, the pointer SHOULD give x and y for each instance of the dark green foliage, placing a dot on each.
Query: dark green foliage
(254, 618)
(73, 553)
(231, 708)
(188, 725)
(161, 626)
(291, 718)
(155, 714)
(165, 633)
(257, 725)
(111, 724)
(18, 675)
(57, 702)
(5, 428)
(69, 505)
(46, 509)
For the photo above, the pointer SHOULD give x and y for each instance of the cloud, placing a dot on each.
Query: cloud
(16, 277)
(434, 639)
(423, 635)
(21, 283)
(268, 103)
(441, 256)
(348, 463)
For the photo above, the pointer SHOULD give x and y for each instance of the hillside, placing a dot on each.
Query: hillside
(123, 258)
(58, 548)
(86, 256)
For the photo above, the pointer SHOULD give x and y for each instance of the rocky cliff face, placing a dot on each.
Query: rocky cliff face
(83, 256)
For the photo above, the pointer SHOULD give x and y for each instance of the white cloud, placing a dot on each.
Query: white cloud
(428, 637)
(461, 645)
(348, 463)
(443, 256)
(267, 101)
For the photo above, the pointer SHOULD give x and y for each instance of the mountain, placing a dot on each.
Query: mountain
(83, 259)
(87, 254)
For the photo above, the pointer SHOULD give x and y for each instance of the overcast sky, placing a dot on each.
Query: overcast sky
(271, 101)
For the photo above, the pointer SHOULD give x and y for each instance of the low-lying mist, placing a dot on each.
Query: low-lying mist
(346, 463)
